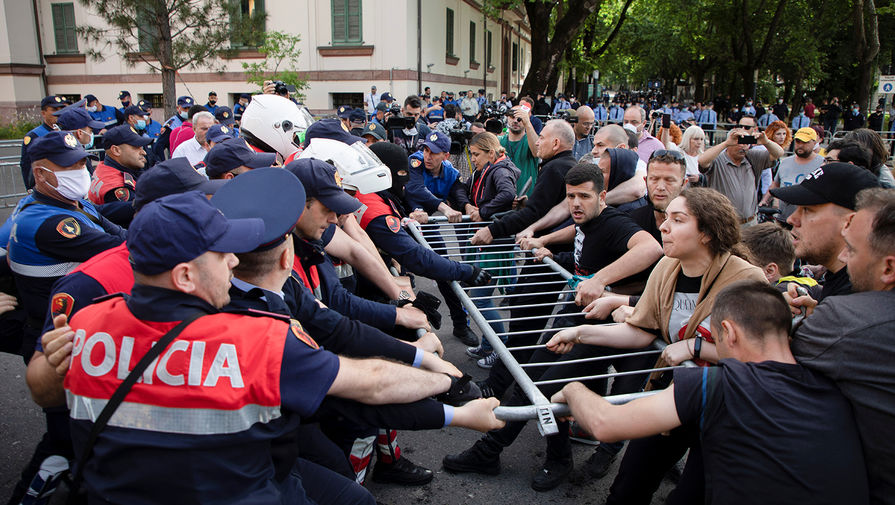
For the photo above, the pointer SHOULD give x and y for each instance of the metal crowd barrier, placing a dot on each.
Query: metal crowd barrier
(453, 244)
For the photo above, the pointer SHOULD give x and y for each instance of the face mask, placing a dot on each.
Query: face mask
(779, 101)
(184, 115)
(734, 110)
(92, 108)
(141, 124)
(89, 144)
(212, 102)
(72, 184)
(748, 103)
(125, 103)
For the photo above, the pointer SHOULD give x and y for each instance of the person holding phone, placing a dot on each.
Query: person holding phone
(734, 169)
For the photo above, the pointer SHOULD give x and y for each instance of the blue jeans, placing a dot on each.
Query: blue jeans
(490, 315)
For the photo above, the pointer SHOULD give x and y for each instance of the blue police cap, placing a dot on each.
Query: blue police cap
(60, 147)
(330, 129)
(357, 115)
(272, 194)
(382, 106)
(376, 131)
(387, 97)
(185, 101)
(344, 111)
(75, 118)
(228, 155)
(124, 93)
(52, 101)
(219, 133)
(179, 228)
(124, 134)
(134, 110)
(438, 142)
(171, 177)
(89, 98)
(322, 181)
(143, 104)
(245, 95)
(224, 115)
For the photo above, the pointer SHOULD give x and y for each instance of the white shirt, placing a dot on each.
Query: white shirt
(191, 150)
(371, 99)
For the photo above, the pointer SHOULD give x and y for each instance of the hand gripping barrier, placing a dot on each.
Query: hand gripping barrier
(501, 258)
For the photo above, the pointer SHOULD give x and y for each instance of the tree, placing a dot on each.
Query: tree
(866, 32)
(169, 35)
(279, 49)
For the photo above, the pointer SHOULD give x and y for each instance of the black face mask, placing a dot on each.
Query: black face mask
(398, 183)
(125, 103)
(212, 102)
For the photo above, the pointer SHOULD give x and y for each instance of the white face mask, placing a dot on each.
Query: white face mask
(92, 108)
(72, 184)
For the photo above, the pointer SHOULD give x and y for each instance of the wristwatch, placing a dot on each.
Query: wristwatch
(404, 295)
(697, 347)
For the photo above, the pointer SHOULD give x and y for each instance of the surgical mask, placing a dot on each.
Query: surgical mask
(89, 144)
(141, 124)
(184, 115)
(72, 184)
(92, 108)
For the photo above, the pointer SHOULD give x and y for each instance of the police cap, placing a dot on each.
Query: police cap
(124, 93)
(387, 97)
(52, 101)
(171, 177)
(381, 106)
(75, 118)
(124, 134)
(438, 142)
(134, 110)
(224, 115)
(185, 101)
(344, 111)
(90, 98)
(330, 129)
(229, 155)
(272, 194)
(60, 147)
(179, 228)
(219, 133)
(321, 181)
(357, 116)
(376, 131)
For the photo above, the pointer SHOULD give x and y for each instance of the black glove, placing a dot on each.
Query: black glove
(429, 304)
(479, 277)
(462, 390)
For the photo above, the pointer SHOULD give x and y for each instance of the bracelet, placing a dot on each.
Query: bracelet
(697, 347)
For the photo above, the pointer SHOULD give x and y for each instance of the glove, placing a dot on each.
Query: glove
(479, 277)
(462, 390)
(429, 304)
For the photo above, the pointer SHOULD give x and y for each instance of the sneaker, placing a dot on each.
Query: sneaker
(52, 471)
(597, 465)
(552, 474)
(477, 352)
(577, 434)
(403, 471)
(488, 361)
(466, 335)
(473, 460)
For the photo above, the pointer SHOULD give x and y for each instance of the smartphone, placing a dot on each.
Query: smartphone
(666, 121)
(747, 139)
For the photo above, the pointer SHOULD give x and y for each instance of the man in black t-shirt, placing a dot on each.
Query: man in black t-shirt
(771, 430)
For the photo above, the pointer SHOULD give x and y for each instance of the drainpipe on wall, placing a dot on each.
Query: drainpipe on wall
(40, 50)
(419, 46)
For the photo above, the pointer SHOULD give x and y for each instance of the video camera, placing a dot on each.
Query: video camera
(459, 138)
(399, 123)
(283, 89)
(567, 115)
(491, 111)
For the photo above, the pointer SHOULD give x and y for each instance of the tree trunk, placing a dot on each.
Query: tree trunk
(699, 90)
(866, 47)
(166, 62)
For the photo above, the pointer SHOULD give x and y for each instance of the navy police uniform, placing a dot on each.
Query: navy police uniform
(37, 132)
(424, 190)
(107, 115)
(163, 141)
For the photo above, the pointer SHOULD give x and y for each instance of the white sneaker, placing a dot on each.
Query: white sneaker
(488, 361)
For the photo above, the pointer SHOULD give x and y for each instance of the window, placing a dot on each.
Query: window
(71, 98)
(252, 36)
(64, 28)
(449, 27)
(155, 100)
(488, 49)
(515, 56)
(471, 42)
(355, 100)
(146, 33)
(346, 15)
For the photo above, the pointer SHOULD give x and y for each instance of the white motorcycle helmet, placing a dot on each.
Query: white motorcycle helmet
(358, 167)
(275, 124)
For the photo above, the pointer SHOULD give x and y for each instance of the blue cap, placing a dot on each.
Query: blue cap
(376, 130)
(282, 195)
(185, 101)
(123, 93)
(229, 155)
(134, 110)
(178, 228)
(90, 98)
(321, 181)
(219, 133)
(344, 111)
(124, 134)
(224, 115)
(245, 95)
(357, 115)
(330, 129)
(382, 106)
(171, 177)
(52, 101)
(60, 147)
(438, 142)
(387, 97)
(75, 118)
(143, 104)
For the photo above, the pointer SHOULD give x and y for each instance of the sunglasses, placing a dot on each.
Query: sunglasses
(667, 152)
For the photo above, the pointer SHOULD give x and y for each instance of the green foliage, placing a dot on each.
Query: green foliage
(280, 63)
(17, 127)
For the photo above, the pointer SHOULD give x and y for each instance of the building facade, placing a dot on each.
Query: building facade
(346, 46)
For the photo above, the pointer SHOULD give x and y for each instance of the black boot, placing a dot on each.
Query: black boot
(465, 334)
(553, 473)
(480, 458)
(403, 471)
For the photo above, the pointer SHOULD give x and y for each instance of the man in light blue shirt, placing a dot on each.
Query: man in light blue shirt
(800, 121)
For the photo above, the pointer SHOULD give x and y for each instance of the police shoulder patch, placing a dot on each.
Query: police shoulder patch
(394, 224)
(26, 140)
(62, 303)
(415, 163)
(299, 332)
(122, 194)
(69, 227)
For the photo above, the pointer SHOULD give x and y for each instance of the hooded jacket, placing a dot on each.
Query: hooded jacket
(491, 189)
(622, 166)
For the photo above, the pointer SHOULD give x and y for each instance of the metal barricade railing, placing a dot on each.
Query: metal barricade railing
(452, 242)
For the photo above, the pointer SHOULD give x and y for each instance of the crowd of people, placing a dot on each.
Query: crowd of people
(225, 302)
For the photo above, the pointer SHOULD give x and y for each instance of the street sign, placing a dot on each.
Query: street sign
(886, 84)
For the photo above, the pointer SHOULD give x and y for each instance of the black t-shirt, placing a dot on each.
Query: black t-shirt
(601, 241)
(645, 218)
(772, 433)
(836, 284)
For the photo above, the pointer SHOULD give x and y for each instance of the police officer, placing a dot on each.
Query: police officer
(224, 116)
(125, 98)
(103, 113)
(152, 128)
(240, 106)
(344, 115)
(78, 121)
(218, 447)
(211, 104)
(48, 105)
(115, 179)
(219, 133)
(164, 138)
(232, 157)
(374, 133)
(357, 120)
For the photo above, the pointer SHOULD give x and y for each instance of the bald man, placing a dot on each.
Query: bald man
(584, 141)
(636, 117)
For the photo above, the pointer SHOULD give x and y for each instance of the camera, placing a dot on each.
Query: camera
(568, 116)
(459, 138)
(746, 139)
(653, 115)
(494, 111)
(280, 88)
(399, 123)
(394, 110)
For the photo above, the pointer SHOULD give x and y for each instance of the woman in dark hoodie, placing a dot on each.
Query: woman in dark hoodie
(619, 165)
